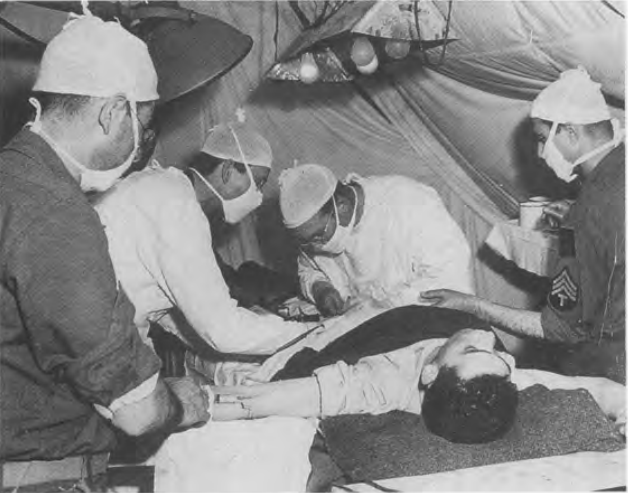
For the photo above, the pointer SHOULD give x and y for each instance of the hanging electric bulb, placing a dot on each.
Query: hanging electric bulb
(370, 67)
(397, 48)
(362, 51)
(308, 70)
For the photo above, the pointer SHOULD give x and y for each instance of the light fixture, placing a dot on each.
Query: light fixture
(188, 49)
(308, 71)
(363, 35)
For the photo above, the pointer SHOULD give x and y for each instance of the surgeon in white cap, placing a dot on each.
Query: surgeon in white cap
(380, 240)
(73, 366)
(585, 307)
(161, 242)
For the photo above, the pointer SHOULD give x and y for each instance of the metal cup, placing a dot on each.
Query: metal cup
(531, 212)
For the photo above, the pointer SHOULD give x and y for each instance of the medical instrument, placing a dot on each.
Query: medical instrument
(298, 338)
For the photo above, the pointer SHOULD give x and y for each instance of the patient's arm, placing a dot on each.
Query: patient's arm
(610, 396)
(374, 385)
(299, 397)
(521, 322)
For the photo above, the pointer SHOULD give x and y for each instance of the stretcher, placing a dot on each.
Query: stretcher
(272, 454)
(582, 471)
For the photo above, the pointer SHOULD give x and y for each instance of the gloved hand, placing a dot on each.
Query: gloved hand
(195, 400)
(327, 299)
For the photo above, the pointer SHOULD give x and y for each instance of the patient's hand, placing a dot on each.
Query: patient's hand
(298, 397)
(447, 298)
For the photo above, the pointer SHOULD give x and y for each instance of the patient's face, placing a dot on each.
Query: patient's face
(472, 352)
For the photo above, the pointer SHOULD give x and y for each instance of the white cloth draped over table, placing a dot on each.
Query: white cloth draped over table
(532, 250)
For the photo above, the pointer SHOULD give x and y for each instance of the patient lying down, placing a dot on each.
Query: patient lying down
(464, 388)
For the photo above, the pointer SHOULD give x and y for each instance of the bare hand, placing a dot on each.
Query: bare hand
(193, 398)
(555, 212)
(447, 298)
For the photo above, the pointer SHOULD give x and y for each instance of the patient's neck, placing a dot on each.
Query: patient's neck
(431, 356)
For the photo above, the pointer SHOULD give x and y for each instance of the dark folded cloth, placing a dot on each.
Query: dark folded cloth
(391, 330)
(396, 444)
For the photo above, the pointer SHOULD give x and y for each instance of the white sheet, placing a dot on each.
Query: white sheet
(261, 455)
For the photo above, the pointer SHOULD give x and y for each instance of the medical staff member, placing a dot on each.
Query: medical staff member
(585, 306)
(160, 241)
(72, 365)
(382, 239)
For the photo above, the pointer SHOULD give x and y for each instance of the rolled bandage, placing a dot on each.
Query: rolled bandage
(222, 398)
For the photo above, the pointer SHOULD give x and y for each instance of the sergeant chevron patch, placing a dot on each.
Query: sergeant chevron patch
(564, 293)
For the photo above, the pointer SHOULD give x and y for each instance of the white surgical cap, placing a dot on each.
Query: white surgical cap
(91, 57)
(225, 141)
(303, 190)
(573, 98)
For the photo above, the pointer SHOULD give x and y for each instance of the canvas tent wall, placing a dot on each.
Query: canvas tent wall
(460, 127)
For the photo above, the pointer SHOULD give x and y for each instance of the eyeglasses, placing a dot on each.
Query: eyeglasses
(259, 182)
(320, 238)
(149, 131)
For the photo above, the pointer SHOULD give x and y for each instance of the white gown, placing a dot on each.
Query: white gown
(406, 242)
(160, 243)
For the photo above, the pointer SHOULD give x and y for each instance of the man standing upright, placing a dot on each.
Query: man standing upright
(72, 364)
(586, 304)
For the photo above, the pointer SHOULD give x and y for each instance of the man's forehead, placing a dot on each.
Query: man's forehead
(540, 127)
(483, 363)
(314, 224)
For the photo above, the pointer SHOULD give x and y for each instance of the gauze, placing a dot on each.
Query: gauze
(573, 98)
(303, 191)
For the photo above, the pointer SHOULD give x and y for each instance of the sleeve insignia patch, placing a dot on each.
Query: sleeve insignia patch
(564, 293)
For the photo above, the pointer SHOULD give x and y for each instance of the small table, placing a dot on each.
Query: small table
(533, 250)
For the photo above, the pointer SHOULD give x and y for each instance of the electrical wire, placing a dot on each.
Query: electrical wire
(276, 35)
(442, 53)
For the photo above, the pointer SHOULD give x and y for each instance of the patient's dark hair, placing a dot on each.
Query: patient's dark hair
(478, 410)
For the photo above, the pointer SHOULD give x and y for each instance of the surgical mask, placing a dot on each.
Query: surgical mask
(90, 180)
(239, 207)
(565, 169)
(338, 241)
